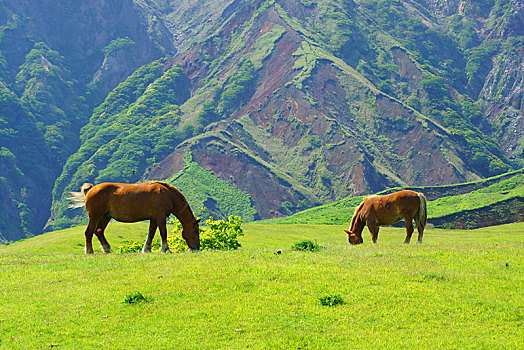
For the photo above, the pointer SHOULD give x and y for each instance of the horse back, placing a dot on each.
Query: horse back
(129, 202)
(393, 207)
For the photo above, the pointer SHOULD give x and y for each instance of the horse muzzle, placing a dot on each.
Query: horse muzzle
(354, 239)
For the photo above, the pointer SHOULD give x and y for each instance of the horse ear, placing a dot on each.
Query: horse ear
(346, 231)
(198, 220)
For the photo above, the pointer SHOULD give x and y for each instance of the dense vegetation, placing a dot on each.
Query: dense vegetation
(40, 116)
(290, 79)
(211, 196)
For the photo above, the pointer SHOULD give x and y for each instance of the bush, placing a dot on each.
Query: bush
(136, 247)
(218, 235)
(331, 300)
(130, 247)
(306, 245)
(117, 44)
(134, 298)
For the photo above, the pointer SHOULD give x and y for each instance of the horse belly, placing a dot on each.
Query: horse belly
(131, 211)
(389, 217)
(129, 217)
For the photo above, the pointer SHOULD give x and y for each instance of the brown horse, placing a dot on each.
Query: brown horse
(375, 211)
(153, 201)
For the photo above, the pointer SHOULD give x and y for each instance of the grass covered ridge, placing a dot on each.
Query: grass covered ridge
(449, 199)
(461, 289)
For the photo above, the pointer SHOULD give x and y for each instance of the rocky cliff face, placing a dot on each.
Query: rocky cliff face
(325, 126)
(502, 94)
(500, 87)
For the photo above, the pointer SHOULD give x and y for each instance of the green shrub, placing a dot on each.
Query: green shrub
(306, 245)
(331, 300)
(117, 44)
(218, 235)
(134, 298)
(130, 247)
(136, 247)
(434, 277)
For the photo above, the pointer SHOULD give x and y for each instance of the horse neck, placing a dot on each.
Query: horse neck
(357, 223)
(358, 226)
(183, 212)
(185, 216)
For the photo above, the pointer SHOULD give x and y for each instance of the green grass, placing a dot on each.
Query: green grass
(451, 200)
(506, 189)
(460, 289)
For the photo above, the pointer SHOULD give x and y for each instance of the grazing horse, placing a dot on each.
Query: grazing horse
(375, 211)
(153, 201)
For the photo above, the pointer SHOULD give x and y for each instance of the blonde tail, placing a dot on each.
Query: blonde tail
(77, 199)
(422, 212)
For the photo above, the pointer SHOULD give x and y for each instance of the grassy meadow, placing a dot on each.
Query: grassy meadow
(460, 289)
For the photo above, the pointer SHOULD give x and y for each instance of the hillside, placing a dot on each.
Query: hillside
(489, 202)
(284, 104)
(57, 61)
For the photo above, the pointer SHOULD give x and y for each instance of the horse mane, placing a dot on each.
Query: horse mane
(355, 215)
(357, 210)
(171, 188)
(176, 191)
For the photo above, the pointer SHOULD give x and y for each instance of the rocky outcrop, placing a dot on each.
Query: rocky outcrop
(504, 212)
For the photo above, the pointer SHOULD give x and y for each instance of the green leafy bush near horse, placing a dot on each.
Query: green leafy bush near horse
(460, 289)
(217, 235)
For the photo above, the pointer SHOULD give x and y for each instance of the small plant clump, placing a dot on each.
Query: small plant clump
(306, 245)
(434, 277)
(134, 298)
(331, 300)
(131, 246)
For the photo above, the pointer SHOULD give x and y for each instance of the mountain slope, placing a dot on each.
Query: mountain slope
(297, 103)
(290, 103)
(57, 61)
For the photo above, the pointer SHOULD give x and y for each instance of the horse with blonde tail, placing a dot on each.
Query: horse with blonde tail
(153, 201)
(375, 211)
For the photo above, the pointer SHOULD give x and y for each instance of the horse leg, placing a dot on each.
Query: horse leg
(373, 229)
(99, 232)
(163, 235)
(150, 235)
(90, 230)
(420, 229)
(409, 230)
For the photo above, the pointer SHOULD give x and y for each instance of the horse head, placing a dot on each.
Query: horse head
(354, 238)
(191, 234)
